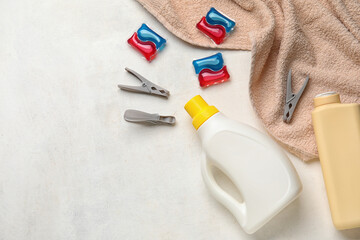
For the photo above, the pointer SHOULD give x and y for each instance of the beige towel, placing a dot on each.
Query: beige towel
(319, 38)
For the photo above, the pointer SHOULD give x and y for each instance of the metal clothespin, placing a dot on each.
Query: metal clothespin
(146, 87)
(291, 98)
(136, 116)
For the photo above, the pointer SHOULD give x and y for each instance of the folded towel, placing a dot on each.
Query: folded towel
(316, 38)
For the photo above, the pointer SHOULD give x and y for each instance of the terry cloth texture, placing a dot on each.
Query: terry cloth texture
(316, 38)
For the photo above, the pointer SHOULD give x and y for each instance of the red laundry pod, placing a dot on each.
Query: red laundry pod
(147, 49)
(208, 77)
(216, 32)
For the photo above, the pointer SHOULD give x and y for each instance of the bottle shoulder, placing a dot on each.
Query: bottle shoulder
(336, 107)
(220, 123)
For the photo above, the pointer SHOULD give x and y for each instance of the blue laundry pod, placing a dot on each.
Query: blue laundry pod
(214, 17)
(145, 33)
(214, 62)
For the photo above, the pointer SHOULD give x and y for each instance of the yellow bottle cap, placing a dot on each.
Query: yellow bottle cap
(199, 110)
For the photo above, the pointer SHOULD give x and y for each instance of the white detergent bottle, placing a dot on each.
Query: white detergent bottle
(256, 165)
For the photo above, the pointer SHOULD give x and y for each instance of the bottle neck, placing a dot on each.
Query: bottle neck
(211, 126)
(326, 98)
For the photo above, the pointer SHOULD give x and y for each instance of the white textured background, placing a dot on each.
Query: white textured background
(72, 168)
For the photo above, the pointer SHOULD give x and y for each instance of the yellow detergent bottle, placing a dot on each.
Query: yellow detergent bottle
(337, 132)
